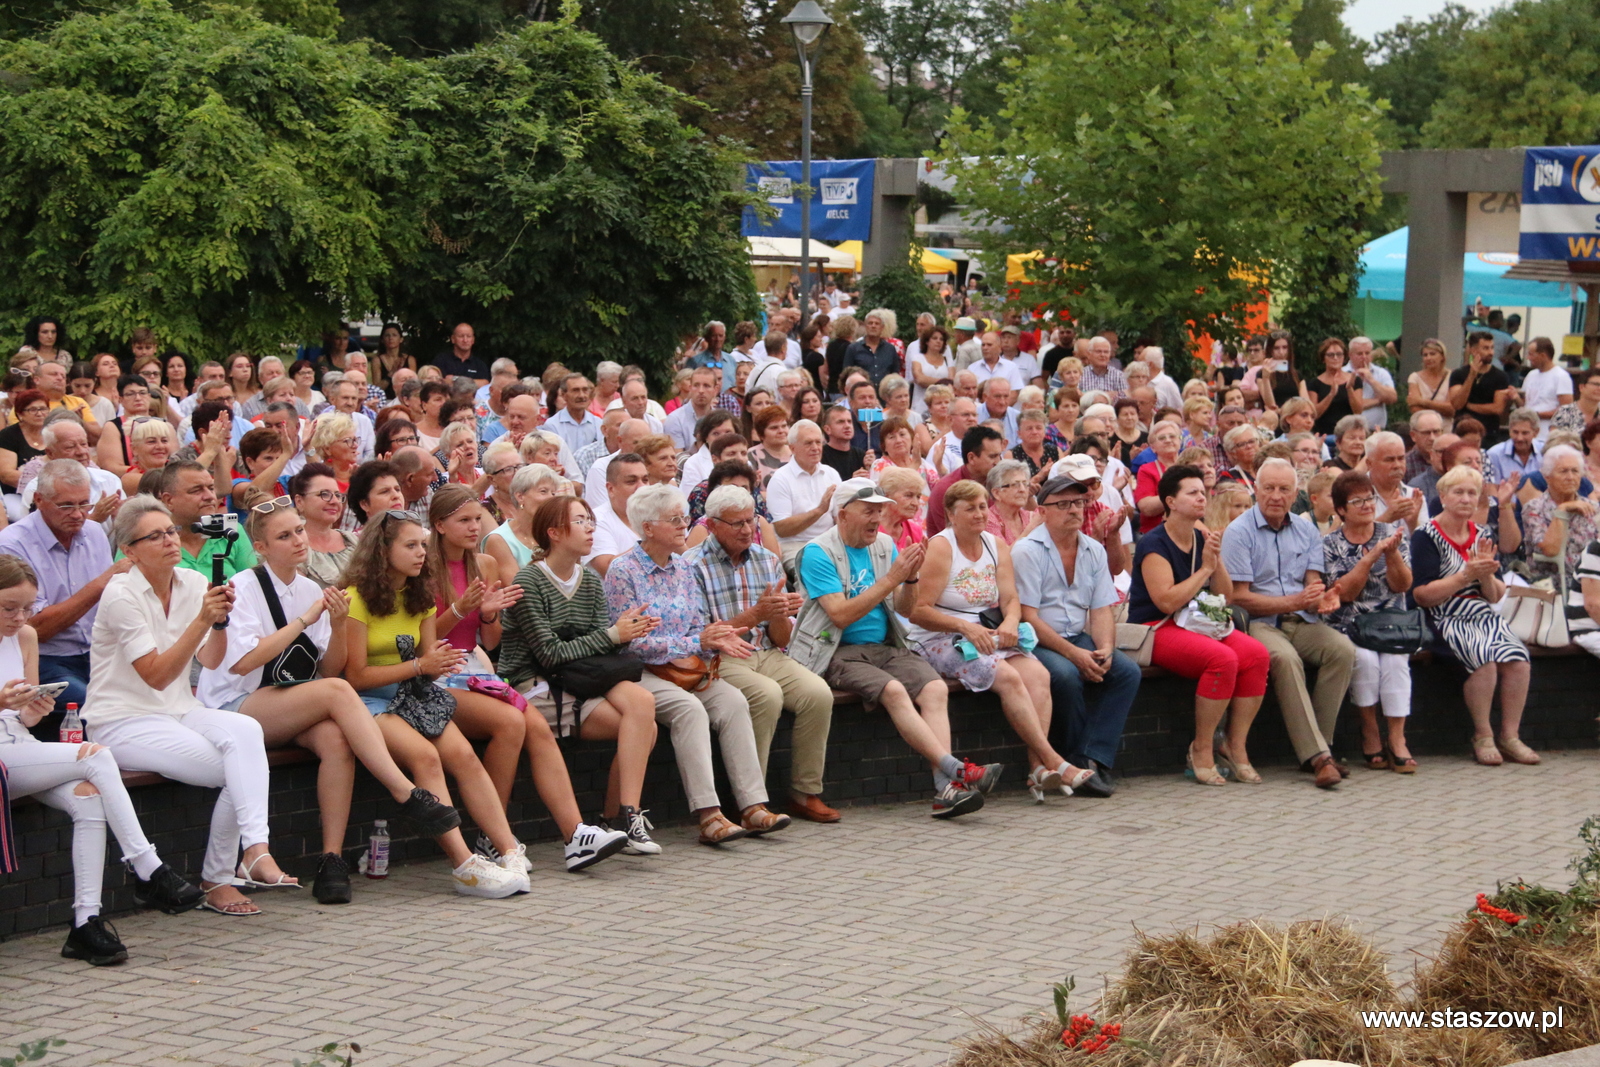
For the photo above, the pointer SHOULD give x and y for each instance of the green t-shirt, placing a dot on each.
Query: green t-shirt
(237, 557)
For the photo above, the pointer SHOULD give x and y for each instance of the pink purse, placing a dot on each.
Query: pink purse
(500, 690)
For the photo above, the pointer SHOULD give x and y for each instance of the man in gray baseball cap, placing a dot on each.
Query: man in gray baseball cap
(968, 349)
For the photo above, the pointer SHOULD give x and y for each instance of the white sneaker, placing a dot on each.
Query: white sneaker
(590, 845)
(517, 862)
(479, 878)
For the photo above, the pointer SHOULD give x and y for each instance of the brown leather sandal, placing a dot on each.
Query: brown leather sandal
(718, 830)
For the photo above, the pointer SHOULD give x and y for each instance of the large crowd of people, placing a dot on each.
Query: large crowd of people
(384, 558)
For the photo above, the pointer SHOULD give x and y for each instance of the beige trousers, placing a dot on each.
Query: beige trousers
(1293, 643)
(771, 682)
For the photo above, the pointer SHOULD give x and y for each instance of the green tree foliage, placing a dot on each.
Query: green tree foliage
(569, 213)
(417, 28)
(1321, 22)
(1529, 74)
(1209, 160)
(1408, 68)
(221, 178)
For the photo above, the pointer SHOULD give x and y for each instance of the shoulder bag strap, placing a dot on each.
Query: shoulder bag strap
(271, 595)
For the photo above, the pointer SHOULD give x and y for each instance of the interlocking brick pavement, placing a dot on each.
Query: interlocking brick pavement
(870, 942)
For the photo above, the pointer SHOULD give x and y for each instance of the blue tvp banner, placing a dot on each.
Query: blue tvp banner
(1561, 203)
(841, 199)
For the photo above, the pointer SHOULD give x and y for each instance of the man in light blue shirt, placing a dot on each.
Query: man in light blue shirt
(574, 423)
(1064, 582)
(1518, 455)
(1275, 561)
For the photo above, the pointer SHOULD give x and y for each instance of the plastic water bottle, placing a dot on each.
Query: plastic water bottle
(378, 850)
(71, 726)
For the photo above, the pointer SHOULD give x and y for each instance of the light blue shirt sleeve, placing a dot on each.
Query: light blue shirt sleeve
(1236, 548)
(1029, 573)
(1317, 556)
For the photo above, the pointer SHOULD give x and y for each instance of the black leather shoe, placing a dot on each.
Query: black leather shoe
(332, 885)
(1101, 784)
(167, 890)
(430, 818)
(96, 941)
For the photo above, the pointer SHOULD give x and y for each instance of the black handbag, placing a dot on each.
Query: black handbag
(588, 677)
(1400, 632)
(425, 707)
(298, 662)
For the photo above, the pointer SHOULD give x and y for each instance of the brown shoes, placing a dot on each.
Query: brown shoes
(1326, 770)
(810, 807)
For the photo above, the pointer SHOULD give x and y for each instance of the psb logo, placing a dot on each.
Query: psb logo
(1547, 174)
(838, 190)
(776, 190)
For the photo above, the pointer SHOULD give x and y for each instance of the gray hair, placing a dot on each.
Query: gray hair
(1004, 469)
(1348, 423)
(1154, 357)
(48, 434)
(331, 379)
(1547, 463)
(1028, 394)
(891, 383)
(608, 369)
(1360, 340)
(1381, 438)
(447, 438)
(1032, 414)
(532, 476)
(536, 438)
(651, 502)
(501, 447)
(1275, 463)
(723, 499)
(1417, 417)
(1137, 366)
(269, 359)
(802, 424)
(891, 322)
(1526, 416)
(205, 389)
(128, 516)
(1238, 436)
(57, 473)
(503, 366)
(793, 374)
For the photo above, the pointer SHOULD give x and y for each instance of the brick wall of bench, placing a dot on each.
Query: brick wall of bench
(867, 764)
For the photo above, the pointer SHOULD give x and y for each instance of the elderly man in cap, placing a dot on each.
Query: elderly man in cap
(968, 348)
(1011, 348)
(1064, 582)
(857, 588)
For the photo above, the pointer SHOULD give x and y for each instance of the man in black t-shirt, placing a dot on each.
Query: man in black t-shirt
(838, 429)
(458, 361)
(1481, 389)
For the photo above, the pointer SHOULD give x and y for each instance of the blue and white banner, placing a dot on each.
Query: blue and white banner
(841, 199)
(1560, 204)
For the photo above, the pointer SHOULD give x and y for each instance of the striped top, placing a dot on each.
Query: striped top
(1578, 620)
(547, 628)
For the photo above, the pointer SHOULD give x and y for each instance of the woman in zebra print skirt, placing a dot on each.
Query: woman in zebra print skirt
(1457, 581)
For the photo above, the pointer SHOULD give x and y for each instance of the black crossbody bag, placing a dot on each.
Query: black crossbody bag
(298, 662)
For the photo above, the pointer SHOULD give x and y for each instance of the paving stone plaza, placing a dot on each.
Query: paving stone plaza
(874, 941)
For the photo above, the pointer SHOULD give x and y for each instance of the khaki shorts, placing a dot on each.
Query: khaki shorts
(866, 669)
(547, 707)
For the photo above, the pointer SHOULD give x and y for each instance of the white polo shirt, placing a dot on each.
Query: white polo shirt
(1003, 368)
(130, 625)
(791, 491)
(250, 623)
(101, 483)
(612, 535)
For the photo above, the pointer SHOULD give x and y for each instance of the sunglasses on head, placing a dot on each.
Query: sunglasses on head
(267, 507)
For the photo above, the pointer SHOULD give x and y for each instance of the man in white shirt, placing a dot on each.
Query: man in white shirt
(1010, 348)
(599, 452)
(1168, 395)
(703, 386)
(785, 322)
(925, 324)
(1547, 386)
(634, 398)
(575, 423)
(963, 417)
(769, 363)
(612, 534)
(66, 439)
(1377, 384)
(629, 434)
(800, 491)
(347, 398)
(997, 395)
(994, 365)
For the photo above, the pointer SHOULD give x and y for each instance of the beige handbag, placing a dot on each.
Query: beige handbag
(1136, 641)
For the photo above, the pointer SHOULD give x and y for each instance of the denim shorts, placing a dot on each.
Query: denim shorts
(377, 699)
(235, 703)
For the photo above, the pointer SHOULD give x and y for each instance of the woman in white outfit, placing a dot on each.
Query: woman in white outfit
(968, 571)
(152, 621)
(82, 780)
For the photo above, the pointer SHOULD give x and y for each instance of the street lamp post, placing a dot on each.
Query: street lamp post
(808, 22)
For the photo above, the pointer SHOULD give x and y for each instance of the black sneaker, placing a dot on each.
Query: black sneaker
(427, 815)
(1100, 784)
(956, 801)
(485, 848)
(332, 884)
(168, 891)
(96, 941)
(637, 826)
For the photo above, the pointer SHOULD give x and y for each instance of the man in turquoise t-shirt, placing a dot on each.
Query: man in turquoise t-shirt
(872, 660)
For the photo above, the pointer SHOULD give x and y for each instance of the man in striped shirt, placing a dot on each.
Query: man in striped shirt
(1581, 622)
(743, 584)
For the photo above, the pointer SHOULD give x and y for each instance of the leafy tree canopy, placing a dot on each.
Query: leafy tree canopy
(1409, 68)
(1529, 74)
(1208, 160)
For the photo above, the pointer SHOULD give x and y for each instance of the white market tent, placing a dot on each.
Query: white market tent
(785, 251)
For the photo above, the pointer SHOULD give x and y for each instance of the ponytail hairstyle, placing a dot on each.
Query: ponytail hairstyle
(448, 500)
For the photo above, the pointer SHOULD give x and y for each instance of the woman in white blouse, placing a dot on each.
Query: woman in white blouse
(151, 622)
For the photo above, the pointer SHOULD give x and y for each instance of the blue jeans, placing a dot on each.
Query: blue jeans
(74, 670)
(1088, 717)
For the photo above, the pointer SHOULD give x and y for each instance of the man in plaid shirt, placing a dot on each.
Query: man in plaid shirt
(1100, 374)
(742, 582)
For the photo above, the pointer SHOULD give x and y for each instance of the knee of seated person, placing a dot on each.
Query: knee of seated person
(86, 789)
(936, 688)
(89, 750)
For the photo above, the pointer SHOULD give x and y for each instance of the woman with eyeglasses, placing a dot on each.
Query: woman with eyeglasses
(512, 543)
(152, 441)
(286, 677)
(501, 462)
(334, 443)
(304, 373)
(390, 640)
(1009, 516)
(561, 617)
(393, 434)
(316, 495)
(20, 442)
(82, 780)
(151, 622)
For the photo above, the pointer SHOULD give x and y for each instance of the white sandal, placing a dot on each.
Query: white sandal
(247, 876)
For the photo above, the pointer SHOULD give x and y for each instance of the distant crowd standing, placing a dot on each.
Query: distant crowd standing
(436, 551)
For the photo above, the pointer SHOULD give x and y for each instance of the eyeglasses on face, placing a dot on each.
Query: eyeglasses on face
(1077, 503)
(742, 524)
(677, 522)
(23, 612)
(170, 533)
(1361, 502)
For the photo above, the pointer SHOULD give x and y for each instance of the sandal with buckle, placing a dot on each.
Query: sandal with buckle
(1486, 752)
(238, 909)
(1242, 772)
(1072, 777)
(247, 876)
(718, 829)
(1201, 775)
(757, 819)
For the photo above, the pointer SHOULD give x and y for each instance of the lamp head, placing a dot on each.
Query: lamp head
(807, 22)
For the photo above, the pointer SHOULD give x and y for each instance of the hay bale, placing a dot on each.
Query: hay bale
(1480, 968)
